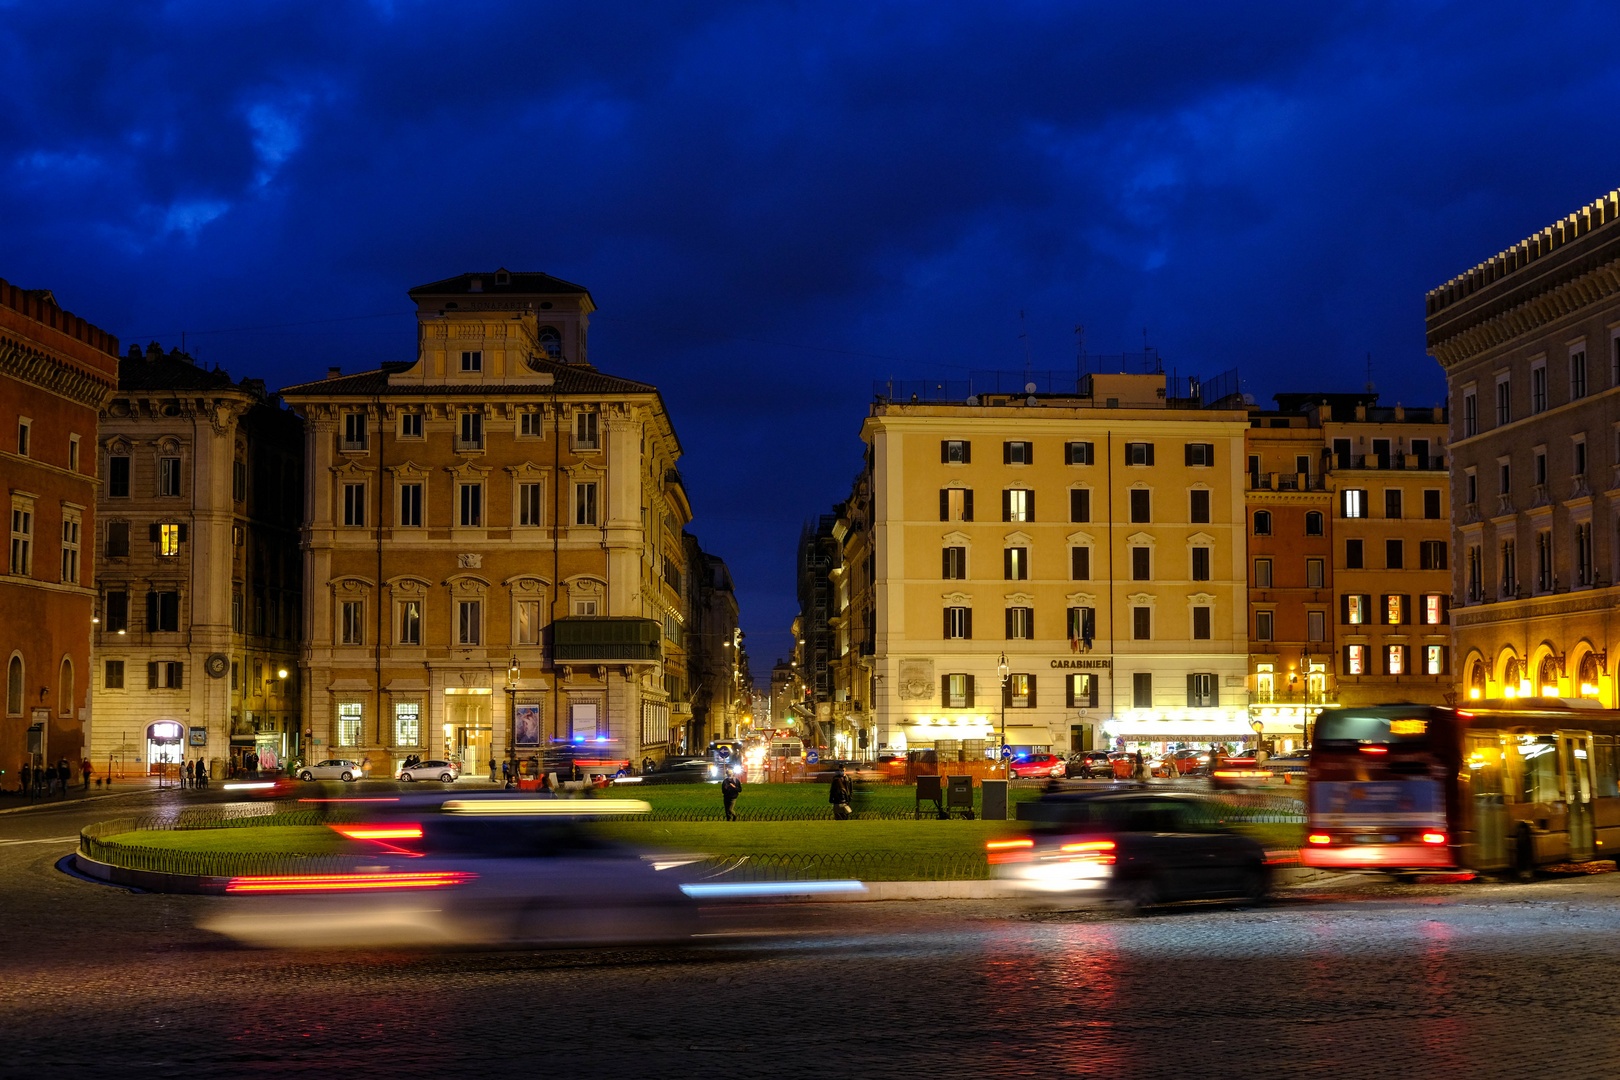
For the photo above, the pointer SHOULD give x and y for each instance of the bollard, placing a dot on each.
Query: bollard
(993, 800)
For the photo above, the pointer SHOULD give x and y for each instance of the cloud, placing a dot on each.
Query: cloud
(775, 204)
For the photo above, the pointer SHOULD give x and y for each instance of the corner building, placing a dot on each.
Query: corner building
(197, 648)
(1094, 538)
(1530, 344)
(493, 539)
(56, 370)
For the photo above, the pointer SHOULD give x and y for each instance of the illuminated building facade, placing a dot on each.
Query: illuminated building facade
(1530, 344)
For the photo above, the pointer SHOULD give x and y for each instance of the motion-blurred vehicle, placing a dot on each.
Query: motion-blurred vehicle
(332, 769)
(1090, 765)
(1037, 765)
(469, 872)
(695, 770)
(444, 771)
(1139, 849)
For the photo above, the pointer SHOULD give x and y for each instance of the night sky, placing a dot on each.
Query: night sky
(776, 204)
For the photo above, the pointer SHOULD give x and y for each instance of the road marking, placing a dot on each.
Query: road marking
(48, 840)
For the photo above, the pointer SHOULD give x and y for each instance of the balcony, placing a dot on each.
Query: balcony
(1390, 462)
(578, 640)
(1286, 482)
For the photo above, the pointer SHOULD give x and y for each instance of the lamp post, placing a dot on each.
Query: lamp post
(513, 672)
(1001, 751)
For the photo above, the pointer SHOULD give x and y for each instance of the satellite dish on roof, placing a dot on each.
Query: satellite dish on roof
(1030, 400)
(972, 401)
(1029, 388)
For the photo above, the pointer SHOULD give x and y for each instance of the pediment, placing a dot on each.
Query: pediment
(1020, 599)
(1082, 599)
(1081, 539)
(1201, 599)
(1141, 599)
(957, 539)
(1018, 539)
(1200, 539)
(957, 599)
(1142, 539)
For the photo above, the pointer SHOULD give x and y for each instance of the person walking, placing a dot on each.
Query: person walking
(492, 770)
(839, 793)
(730, 788)
(84, 771)
(506, 774)
(27, 780)
(1141, 766)
(202, 774)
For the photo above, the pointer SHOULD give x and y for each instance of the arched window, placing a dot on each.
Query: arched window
(1590, 673)
(1262, 523)
(1476, 681)
(14, 687)
(1313, 523)
(1547, 674)
(550, 342)
(1511, 676)
(64, 689)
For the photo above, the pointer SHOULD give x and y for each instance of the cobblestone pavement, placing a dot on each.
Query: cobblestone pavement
(1353, 979)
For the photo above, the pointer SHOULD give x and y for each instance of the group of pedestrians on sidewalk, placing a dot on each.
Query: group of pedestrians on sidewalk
(51, 781)
(195, 775)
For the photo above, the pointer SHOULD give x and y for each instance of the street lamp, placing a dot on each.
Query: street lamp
(1001, 669)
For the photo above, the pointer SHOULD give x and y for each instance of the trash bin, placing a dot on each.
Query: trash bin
(993, 800)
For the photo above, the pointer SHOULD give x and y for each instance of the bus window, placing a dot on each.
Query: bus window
(1538, 769)
(1604, 765)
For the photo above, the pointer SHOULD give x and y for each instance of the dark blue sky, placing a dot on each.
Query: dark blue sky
(775, 204)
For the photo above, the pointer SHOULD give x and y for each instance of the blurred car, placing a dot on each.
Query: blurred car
(1138, 848)
(474, 872)
(444, 771)
(1091, 764)
(688, 771)
(332, 769)
(1038, 765)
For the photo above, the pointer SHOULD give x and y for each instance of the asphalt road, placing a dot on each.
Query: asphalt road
(1357, 978)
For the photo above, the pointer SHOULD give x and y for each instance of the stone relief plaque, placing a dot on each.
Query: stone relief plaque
(916, 680)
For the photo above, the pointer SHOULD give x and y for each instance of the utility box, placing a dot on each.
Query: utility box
(993, 800)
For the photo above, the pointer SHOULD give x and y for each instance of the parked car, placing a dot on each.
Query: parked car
(332, 769)
(1138, 848)
(1038, 765)
(1091, 764)
(443, 771)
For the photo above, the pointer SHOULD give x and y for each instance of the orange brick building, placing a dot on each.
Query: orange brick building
(56, 371)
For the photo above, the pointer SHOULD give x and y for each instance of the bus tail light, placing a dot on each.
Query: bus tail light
(1319, 838)
(1434, 838)
(1375, 749)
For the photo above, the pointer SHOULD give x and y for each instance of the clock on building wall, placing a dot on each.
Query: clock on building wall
(217, 665)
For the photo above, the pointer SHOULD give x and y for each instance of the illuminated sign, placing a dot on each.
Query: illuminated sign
(1084, 665)
(165, 729)
(1408, 727)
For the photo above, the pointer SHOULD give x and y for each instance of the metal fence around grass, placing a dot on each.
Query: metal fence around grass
(841, 866)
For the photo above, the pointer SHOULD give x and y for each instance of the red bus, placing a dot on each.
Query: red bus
(1498, 786)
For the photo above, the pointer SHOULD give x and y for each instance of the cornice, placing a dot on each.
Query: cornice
(38, 369)
(1557, 302)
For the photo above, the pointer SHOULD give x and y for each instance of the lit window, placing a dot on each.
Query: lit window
(168, 539)
(1434, 659)
(1356, 610)
(528, 622)
(1396, 659)
(1355, 659)
(408, 723)
(410, 622)
(350, 714)
(1020, 691)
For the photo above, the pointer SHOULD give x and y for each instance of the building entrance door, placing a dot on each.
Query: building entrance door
(467, 731)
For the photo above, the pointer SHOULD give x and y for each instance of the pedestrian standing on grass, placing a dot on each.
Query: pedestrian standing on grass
(839, 793)
(730, 788)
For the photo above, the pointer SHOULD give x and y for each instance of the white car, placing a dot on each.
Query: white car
(444, 771)
(335, 769)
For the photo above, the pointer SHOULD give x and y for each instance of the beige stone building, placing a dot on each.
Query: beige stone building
(493, 540)
(197, 644)
(1530, 343)
(1094, 538)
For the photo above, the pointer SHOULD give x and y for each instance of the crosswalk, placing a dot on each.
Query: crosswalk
(47, 840)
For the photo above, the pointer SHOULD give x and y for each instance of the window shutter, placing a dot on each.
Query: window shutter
(1189, 455)
(1366, 604)
(1150, 453)
(1346, 665)
(944, 504)
(179, 670)
(151, 675)
(152, 532)
(946, 633)
(1009, 614)
(1344, 610)
(151, 612)
(945, 563)
(1068, 692)
(1214, 685)
(1383, 611)
(1406, 609)
(967, 505)
(944, 691)
(1032, 691)
(1445, 610)
(1006, 506)
(1383, 661)
(1092, 697)
(1007, 564)
(968, 620)
(970, 691)
(1068, 453)
(1192, 680)
(1091, 452)
(967, 452)
(182, 532)
(1006, 453)
(944, 451)
(1079, 505)
(1029, 506)
(1445, 659)
(1029, 453)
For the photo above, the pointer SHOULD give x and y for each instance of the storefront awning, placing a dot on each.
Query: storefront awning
(1179, 730)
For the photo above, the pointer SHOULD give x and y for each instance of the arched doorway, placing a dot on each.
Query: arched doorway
(1512, 676)
(164, 739)
(1589, 676)
(1476, 680)
(1547, 673)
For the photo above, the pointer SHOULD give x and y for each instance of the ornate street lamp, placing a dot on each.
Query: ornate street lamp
(1001, 669)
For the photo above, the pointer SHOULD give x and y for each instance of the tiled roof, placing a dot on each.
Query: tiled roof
(525, 284)
(168, 371)
(570, 379)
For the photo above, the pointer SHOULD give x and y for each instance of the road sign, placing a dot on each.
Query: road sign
(811, 757)
(1006, 752)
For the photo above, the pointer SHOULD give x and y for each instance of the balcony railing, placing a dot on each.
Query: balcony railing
(1389, 462)
(605, 640)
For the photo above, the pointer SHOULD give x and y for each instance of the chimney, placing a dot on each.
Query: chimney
(333, 372)
(154, 351)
